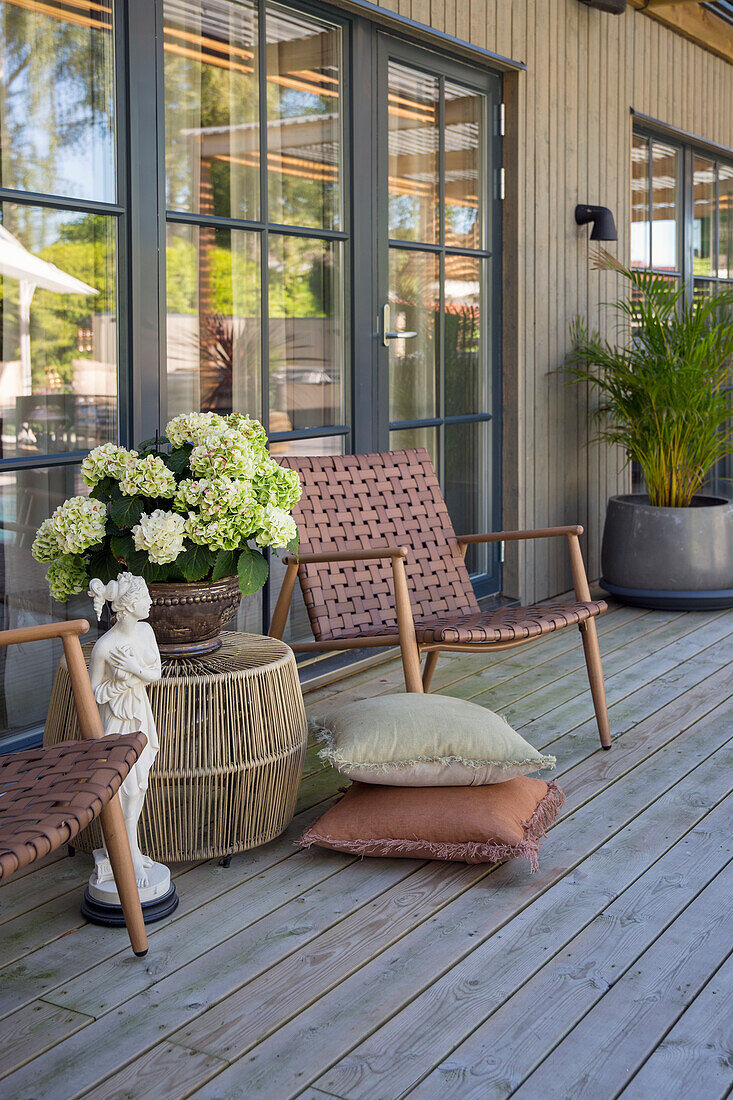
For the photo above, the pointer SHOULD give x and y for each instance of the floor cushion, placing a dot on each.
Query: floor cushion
(470, 824)
(424, 741)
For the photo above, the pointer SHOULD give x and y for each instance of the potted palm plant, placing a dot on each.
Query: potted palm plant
(665, 397)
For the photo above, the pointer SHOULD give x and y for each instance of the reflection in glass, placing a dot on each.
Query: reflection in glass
(465, 360)
(306, 333)
(303, 120)
(414, 193)
(666, 206)
(703, 186)
(27, 497)
(211, 107)
(58, 331)
(213, 323)
(414, 298)
(466, 473)
(703, 288)
(640, 249)
(57, 113)
(404, 438)
(298, 628)
(725, 221)
(464, 184)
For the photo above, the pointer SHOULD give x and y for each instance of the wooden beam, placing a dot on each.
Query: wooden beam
(692, 21)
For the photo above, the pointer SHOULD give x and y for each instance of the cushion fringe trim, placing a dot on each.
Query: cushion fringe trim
(534, 829)
(331, 755)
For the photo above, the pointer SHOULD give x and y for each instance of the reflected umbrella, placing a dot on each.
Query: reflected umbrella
(16, 262)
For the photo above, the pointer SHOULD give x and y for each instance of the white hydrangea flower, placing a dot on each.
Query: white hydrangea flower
(161, 535)
(195, 427)
(277, 527)
(67, 576)
(227, 455)
(149, 477)
(109, 460)
(79, 523)
(46, 545)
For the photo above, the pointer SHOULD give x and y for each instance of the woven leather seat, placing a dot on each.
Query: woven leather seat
(380, 564)
(509, 624)
(48, 795)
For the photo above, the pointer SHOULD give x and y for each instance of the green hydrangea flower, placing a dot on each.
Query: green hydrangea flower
(161, 535)
(46, 546)
(227, 455)
(277, 485)
(149, 477)
(252, 429)
(194, 428)
(109, 460)
(79, 523)
(277, 528)
(67, 576)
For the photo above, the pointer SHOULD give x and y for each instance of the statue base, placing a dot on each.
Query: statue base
(101, 903)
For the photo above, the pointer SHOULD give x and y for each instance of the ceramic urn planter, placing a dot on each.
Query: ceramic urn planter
(669, 557)
(187, 618)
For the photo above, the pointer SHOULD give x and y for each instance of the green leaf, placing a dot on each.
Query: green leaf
(123, 547)
(225, 565)
(252, 568)
(195, 562)
(105, 489)
(293, 545)
(140, 564)
(126, 511)
(104, 565)
(177, 461)
(152, 446)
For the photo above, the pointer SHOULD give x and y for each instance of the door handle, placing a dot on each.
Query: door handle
(386, 334)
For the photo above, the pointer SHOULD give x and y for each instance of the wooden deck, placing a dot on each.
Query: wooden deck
(317, 975)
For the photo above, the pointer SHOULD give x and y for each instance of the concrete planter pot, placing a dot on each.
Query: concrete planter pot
(669, 557)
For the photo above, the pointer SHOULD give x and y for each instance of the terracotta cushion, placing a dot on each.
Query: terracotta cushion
(469, 824)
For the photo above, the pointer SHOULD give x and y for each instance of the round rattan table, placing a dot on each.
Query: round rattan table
(233, 735)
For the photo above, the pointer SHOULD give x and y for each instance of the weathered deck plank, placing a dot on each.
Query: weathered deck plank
(315, 975)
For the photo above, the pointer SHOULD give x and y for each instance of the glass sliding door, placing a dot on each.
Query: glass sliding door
(440, 227)
(60, 296)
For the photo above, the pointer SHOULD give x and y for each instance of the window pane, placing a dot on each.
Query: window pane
(666, 206)
(27, 497)
(414, 193)
(212, 154)
(58, 331)
(640, 255)
(464, 178)
(306, 333)
(414, 297)
(703, 181)
(303, 120)
(213, 323)
(467, 472)
(405, 438)
(465, 359)
(725, 221)
(57, 105)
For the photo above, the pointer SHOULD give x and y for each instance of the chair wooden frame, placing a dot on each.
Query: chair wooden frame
(411, 648)
(90, 725)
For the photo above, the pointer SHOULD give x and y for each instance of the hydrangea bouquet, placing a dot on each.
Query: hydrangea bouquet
(195, 511)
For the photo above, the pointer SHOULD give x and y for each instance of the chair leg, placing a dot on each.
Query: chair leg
(595, 676)
(411, 667)
(430, 662)
(118, 849)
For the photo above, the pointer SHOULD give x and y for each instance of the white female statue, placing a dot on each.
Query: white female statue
(123, 661)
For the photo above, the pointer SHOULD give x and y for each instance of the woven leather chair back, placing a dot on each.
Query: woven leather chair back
(353, 502)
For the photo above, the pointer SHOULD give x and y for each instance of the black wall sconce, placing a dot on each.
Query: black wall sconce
(604, 227)
(615, 7)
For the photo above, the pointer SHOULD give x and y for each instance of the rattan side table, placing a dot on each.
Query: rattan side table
(233, 735)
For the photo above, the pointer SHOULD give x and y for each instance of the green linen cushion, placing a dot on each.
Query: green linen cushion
(412, 740)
